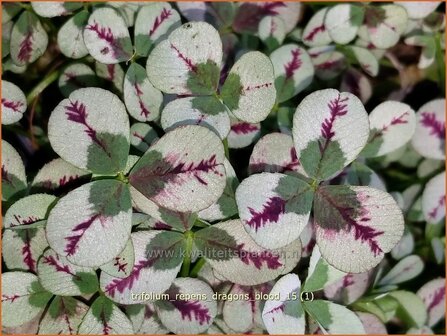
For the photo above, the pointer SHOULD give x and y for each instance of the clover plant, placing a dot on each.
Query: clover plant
(222, 167)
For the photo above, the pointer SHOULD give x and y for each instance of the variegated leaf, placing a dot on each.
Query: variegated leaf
(9, 11)
(359, 174)
(406, 269)
(329, 130)
(154, 22)
(342, 22)
(233, 254)
(158, 257)
(419, 10)
(188, 61)
(58, 174)
(356, 226)
(274, 208)
(293, 69)
(51, 9)
(392, 125)
(162, 218)
(97, 211)
(274, 153)
(90, 129)
(58, 276)
(355, 82)
(242, 133)
(334, 318)
(13, 103)
(307, 238)
(412, 308)
(285, 314)
(203, 111)
(143, 101)
(22, 248)
(190, 308)
(29, 39)
(315, 33)
(251, 79)
(385, 24)
(22, 298)
(225, 206)
(127, 10)
(327, 61)
(272, 31)
(113, 73)
(121, 266)
(142, 136)
(6, 39)
(433, 199)
(145, 319)
(182, 176)
(105, 318)
(371, 323)
(70, 37)
(13, 172)
(77, 76)
(429, 137)
(404, 247)
(349, 288)
(106, 36)
(433, 295)
(28, 210)
(320, 273)
(366, 59)
(64, 316)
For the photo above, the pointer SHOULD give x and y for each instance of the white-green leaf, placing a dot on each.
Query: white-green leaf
(404, 247)
(433, 199)
(274, 153)
(429, 137)
(51, 9)
(334, 318)
(433, 295)
(315, 33)
(97, 211)
(154, 22)
(64, 316)
(145, 319)
(366, 59)
(187, 315)
(371, 323)
(419, 9)
(293, 69)
(106, 36)
(143, 101)
(359, 174)
(158, 258)
(178, 173)
(13, 103)
(392, 124)
(105, 318)
(349, 288)
(251, 79)
(6, 40)
(113, 73)
(9, 11)
(121, 266)
(274, 208)
(234, 255)
(13, 172)
(406, 269)
(329, 130)
(58, 276)
(320, 273)
(272, 31)
(22, 298)
(22, 248)
(356, 226)
(385, 24)
(342, 22)
(328, 62)
(242, 133)
(357, 83)
(90, 129)
(57, 174)
(188, 61)
(203, 111)
(76, 76)
(285, 314)
(225, 206)
(70, 37)
(29, 39)
(28, 210)
(142, 136)
(412, 309)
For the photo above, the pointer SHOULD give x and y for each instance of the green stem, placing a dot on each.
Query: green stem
(197, 267)
(440, 65)
(42, 85)
(227, 151)
(187, 258)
